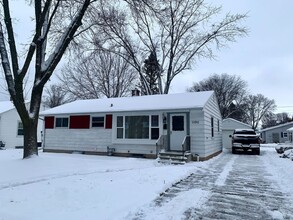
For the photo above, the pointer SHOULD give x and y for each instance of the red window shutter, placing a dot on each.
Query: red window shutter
(79, 122)
(49, 122)
(108, 122)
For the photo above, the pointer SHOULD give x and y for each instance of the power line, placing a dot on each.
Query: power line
(289, 106)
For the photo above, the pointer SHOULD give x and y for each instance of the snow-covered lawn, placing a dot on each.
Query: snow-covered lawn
(73, 186)
(64, 186)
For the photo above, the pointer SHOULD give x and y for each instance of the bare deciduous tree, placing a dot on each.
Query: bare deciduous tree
(257, 106)
(46, 59)
(55, 96)
(229, 89)
(101, 74)
(178, 32)
(270, 119)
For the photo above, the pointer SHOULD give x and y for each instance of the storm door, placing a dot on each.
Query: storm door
(178, 131)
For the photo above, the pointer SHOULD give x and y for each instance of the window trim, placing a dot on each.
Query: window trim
(135, 140)
(55, 122)
(120, 127)
(98, 116)
(17, 132)
(154, 126)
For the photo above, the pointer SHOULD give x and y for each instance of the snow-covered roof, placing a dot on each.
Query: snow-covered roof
(231, 123)
(6, 106)
(277, 126)
(136, 103)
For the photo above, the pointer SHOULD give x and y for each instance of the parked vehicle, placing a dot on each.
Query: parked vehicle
(245, 140)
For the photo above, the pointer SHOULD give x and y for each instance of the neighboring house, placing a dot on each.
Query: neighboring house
(276, 134)
(11, 129)
(229, 124)
(137, 126)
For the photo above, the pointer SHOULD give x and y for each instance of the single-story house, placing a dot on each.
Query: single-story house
(137, 126)
(229, 125)
(11, 129)
(276, 134)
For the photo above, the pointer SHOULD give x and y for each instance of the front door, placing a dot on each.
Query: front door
(177, 131)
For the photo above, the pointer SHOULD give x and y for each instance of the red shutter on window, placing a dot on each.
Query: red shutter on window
(49, 122)
(79, 122)
(108, 122)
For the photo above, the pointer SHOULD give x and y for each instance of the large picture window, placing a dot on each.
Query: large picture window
(138, 127)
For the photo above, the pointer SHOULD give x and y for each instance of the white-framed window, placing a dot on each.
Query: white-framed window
(120, 127)
(61, 122)
(19, 128)
(98, 121)
(137, 127)
(155, 131)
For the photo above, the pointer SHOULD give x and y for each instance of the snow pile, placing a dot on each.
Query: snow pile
(286, 149)
(280, 169)
(288, 154)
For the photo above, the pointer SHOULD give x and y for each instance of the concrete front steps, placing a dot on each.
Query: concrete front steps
(172, 157)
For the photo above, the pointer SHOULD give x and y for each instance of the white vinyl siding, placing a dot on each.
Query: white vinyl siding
(78, 139)
(267, 135)
(9, 122)
(213, 144)
(197, 136)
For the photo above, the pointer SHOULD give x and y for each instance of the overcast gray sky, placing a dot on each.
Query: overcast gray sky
(264, 58)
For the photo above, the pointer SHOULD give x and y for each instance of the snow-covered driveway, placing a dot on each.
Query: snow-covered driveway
(233, 187)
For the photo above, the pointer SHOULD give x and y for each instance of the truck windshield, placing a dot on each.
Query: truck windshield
(244, 132)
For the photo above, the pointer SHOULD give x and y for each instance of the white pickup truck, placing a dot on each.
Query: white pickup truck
(245, 140)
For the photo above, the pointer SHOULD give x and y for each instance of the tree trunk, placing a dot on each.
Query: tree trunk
(30, 143)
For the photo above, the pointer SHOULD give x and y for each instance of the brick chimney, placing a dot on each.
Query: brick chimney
(135, 92)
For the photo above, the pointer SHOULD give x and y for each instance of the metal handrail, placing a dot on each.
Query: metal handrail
(186, 143)
(160, 143)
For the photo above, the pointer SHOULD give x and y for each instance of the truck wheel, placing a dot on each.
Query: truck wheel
(233, 151)
(257, 151)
